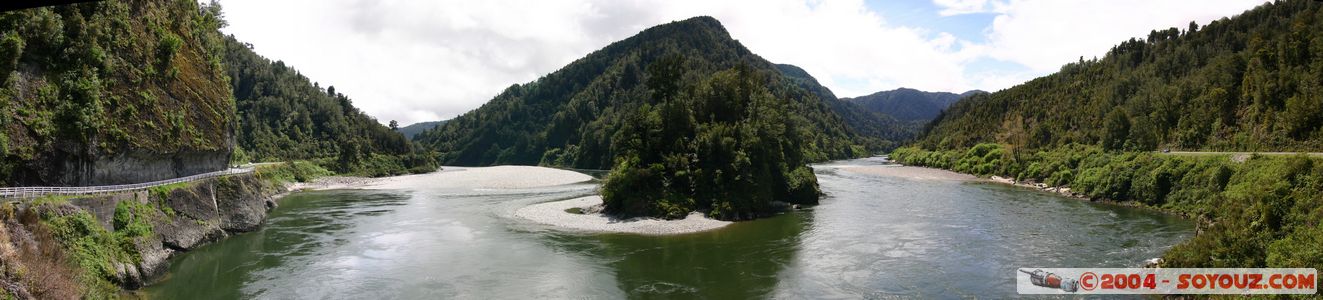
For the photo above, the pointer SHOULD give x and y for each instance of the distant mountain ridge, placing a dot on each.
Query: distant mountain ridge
(414, 129)
(908, 104)
(879, 130)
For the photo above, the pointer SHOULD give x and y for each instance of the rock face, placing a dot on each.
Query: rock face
(132, 166)
(96, 94)
(139, 167)
(191, 216)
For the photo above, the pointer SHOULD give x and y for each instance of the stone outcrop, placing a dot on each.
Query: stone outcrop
(190, 216)
(59, 168)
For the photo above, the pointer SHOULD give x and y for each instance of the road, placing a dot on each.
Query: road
(39, 191)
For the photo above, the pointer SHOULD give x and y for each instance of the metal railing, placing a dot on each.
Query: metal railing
(40, 191)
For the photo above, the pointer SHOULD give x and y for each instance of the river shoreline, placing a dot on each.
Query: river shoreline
(1068, 193)
(910, 172)
(927, 173)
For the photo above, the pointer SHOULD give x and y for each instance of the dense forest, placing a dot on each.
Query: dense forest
(569, 117)
(687, 119)
(1248, 83)
(85, 83)
(726, 145)
(909, 104)
(285, 116)
(1252, 83)
(876, 131)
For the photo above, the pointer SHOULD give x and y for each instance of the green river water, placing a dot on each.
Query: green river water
(872, 237)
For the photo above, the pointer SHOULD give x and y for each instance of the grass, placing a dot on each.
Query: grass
(161, 192)
(54, 199)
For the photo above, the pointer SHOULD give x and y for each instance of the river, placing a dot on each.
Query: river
(872, 236)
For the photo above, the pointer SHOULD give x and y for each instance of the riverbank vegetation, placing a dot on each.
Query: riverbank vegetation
(1262, 212)
(289, 172)
(54, 250)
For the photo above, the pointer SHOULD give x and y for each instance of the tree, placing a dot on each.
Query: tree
(1117, 130)
(349, 158)
(394, 126)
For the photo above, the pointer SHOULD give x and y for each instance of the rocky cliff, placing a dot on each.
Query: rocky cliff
(112, 92)
(124, 240)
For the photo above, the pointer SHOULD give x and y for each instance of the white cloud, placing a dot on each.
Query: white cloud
(422, 60)
(847, 47)
(958, 7)
(1044, 34)
(418, 61)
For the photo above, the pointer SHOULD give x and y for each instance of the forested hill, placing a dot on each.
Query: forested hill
(112, 92)
(134, 91)
(573, 116)
(875, 130)
(909, 104)
(284, 115)
(1253, 82)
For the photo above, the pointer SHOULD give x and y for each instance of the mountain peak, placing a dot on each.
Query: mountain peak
(700, 26)
(708, 21)
(909, 104)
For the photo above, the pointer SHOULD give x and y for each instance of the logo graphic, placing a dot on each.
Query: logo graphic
(1166, 281)
(1049, 280)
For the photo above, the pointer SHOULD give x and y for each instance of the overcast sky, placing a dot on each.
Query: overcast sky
(415, 60)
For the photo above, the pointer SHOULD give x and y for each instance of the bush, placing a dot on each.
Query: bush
(94, 249)
(11, 49)
(297, 171)
(167, 47)
(131, 218)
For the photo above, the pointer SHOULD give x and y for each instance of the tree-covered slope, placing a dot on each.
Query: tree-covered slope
(1253, 82)
(285, 116)
(112, 92)
(569, 117)
(876, 131)
(909, 104)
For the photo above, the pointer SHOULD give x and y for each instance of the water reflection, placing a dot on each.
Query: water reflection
(322, 219)
(742, 261)
(871, 237)
(889, 236)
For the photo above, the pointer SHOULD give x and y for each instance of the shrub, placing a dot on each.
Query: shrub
(167, 47)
